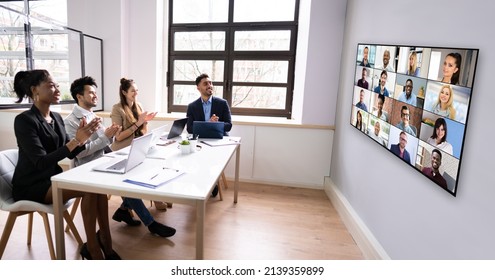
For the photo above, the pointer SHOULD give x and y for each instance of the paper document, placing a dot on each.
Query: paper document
(220, 142)
(155, 177)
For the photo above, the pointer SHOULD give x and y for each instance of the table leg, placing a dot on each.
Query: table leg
(200, 228)
(236, 180)
(58, 217)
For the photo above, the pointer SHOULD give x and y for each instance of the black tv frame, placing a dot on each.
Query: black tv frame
(430, 85)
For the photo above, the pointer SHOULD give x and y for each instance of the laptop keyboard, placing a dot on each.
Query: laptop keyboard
(118, 165)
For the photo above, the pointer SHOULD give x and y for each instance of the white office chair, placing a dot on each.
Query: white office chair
(8, 161)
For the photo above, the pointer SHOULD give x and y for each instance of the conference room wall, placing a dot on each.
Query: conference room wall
(409, 216)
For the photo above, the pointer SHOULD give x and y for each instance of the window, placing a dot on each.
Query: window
(41, 41)
(247, 47)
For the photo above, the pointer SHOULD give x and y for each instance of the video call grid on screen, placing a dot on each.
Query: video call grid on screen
(414, 101)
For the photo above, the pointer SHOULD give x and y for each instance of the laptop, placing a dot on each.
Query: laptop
(137, 154)
(157, 133)
(212, 130)
(177, 128)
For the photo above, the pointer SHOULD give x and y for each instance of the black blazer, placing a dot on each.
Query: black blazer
(40, 149)
(219, 107)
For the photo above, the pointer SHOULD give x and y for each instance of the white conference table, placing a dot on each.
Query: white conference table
(202, 170)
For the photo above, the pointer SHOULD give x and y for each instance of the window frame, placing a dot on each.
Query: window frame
(229, 55)
(30, 53)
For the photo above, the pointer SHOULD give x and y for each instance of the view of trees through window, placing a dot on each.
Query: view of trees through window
(42, 42)
(246, 46)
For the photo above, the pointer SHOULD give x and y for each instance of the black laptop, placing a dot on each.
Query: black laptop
(177, 128)
(211, 130)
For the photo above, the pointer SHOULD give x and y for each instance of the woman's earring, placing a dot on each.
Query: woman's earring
(37, 98)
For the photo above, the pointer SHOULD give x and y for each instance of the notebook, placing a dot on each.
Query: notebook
(177, 128)
(137, 154)
(155, 177)
(212, 130)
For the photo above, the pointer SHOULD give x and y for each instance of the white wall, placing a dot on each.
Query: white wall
(411, 217)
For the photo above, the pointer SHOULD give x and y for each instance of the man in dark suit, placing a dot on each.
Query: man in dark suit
(208, 108)
(399, 149)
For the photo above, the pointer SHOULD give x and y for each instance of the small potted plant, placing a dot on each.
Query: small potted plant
(185, 146)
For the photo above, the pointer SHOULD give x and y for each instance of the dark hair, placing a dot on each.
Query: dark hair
(458, 61)
(133, 111)
(439, 122)
(384, 72)
(77, 87)
(409, 80)
(200, 77)
(360, 121)
(125, 84)
(438, 152)
(404, 107)
(24, 80)
(382, 98)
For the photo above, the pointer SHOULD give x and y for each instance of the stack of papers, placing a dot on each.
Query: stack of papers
(155, 177)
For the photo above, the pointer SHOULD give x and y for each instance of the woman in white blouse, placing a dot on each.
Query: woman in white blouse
(439, 136)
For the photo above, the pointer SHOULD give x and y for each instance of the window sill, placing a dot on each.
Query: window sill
(236, 120)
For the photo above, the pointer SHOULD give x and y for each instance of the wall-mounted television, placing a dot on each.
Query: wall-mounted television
(414, 102)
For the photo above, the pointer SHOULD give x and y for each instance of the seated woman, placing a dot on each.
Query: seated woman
(129, 114)
(42, 143)
(413, 69)
(439, 137)
(379, 112)
(444, 106)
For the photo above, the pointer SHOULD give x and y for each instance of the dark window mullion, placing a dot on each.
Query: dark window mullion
(230, 56)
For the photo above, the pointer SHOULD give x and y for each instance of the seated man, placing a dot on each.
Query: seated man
(83, 91)
(404, 123)
(375, 134)
(386, 62)
(408, 96)
(362, 82)
(361, 104)
(399, 149)
(433, 172)
(208, 108)
(381, 89)
(365, 61)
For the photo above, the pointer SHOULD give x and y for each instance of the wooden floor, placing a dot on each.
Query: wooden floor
(267, 223)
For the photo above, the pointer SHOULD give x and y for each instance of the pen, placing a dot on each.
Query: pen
(169, 169)
(154, 176)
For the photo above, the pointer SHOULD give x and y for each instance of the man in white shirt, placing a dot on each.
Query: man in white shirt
(83, 90)
(375, 134)
(386, 62)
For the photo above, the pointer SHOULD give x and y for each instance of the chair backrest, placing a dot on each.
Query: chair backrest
(8, 161)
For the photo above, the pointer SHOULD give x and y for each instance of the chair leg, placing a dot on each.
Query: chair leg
(224, 181)
(220, 192)
(73, 212)
(48, 234)
(72, 226)
(6, 231)
(30, 228)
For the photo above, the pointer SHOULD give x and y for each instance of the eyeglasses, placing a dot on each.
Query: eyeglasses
(405, 115)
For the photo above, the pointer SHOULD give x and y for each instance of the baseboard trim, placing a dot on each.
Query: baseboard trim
(278, 183)
(366, 241)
